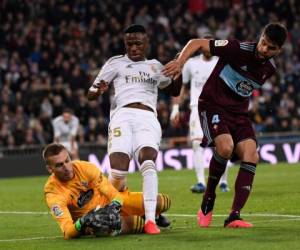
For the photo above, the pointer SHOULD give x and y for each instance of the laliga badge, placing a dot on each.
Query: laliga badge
(221, 43)
(56, 210)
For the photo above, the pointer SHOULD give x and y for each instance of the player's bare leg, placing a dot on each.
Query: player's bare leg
(146, 159)
(247, 152)
(223, 151)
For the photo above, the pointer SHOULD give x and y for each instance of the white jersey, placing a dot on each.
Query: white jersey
(197, 70)
(65, 131)
(133, 81)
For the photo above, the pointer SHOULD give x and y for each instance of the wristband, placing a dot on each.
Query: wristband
(117, 201)
(175, 111)
(93, 89)
(175, 108)
(78, 225)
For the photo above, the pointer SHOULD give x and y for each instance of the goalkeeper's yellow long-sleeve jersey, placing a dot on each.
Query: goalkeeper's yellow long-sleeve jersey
(70, 200)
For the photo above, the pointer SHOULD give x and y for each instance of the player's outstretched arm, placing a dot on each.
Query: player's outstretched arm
(174, 67)
(175, 87)
(176, 102)
(96, 90)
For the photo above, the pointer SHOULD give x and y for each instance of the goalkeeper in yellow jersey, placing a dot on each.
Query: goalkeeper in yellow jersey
(83, 202)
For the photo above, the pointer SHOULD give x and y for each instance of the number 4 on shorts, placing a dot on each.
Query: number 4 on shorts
(215, 119)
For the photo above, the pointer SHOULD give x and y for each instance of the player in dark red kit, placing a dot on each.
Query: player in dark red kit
(223, 110)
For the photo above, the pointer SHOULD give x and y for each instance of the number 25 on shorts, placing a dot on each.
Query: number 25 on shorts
(117, 132)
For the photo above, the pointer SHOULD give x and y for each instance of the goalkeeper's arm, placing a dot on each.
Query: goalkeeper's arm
(60, 212)
(74, 230)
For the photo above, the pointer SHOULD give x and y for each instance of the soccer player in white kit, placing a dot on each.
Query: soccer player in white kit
(134, 130)
(65, 128)
(196, 71)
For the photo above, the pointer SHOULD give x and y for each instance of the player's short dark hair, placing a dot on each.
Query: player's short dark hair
(135, 28)
(276, 32)
(51, 150)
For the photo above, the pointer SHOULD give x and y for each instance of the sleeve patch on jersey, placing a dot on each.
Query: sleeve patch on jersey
(56, 210)
(221, 43)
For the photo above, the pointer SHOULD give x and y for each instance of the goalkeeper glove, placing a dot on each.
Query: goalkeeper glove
(85, 220)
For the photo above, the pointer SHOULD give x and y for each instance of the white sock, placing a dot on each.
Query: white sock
(224, 176)
(198, 161)
(150, 189)
(118, 179)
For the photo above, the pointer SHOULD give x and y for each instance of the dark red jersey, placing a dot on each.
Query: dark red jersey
(237, 73)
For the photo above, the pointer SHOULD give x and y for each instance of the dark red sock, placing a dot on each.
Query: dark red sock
(243, 185)
(217, 167)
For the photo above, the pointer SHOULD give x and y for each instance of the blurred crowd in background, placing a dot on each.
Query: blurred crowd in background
(50, 51)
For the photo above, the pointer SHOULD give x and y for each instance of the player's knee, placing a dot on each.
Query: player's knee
(119, 161)
(163, 203)
(147, 153)
(250, 156)
(225, 150)
(255, 157)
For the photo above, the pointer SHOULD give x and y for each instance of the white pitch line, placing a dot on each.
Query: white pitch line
(23, 212)
(171, 215)
(288, 218)
(246, 215)
(267, 221)
(221, 225)
(33, 238)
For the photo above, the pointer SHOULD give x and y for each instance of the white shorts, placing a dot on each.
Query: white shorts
(195, 127)
(131, 129)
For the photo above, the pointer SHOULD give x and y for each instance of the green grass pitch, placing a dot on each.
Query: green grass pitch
(273, 208)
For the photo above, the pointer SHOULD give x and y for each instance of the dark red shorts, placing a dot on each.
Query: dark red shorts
(215, 121)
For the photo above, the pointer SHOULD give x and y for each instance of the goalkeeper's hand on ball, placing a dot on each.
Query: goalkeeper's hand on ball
(102, 221)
